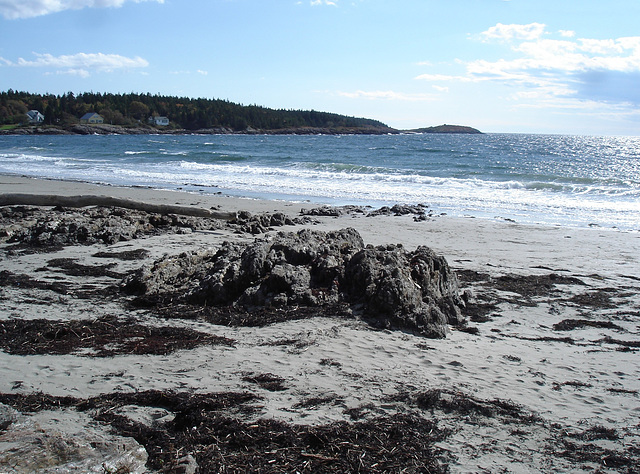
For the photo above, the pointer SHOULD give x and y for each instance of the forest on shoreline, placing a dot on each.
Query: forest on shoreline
(133, 111)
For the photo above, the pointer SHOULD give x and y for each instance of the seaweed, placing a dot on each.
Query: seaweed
(571, 324)
(237, 316)
(23, 282)
(205, 429)
(103, 337)
(270, 382)
(463, 404)
(601, 298)
(534, 285)
(70, 267)
(127, 255)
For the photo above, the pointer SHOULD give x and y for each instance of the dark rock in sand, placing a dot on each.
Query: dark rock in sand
(400, 210)
(8, 416)
(41, 227)
(388, 286)
(333, 211)
(260, 223)
(415, 290)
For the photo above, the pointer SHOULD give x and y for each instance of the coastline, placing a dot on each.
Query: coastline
(106, 129)
(495, 239)
(524, 280)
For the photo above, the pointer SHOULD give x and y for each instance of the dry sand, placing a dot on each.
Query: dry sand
(577, 390)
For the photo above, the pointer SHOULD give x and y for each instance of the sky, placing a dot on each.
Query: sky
(514, 66)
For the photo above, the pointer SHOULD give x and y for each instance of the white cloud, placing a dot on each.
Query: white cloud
(14, 9)
(322, 2)
(621, 55)
(531, 31)
(81, 63)
(443, 78)
(185, 72)
(387, 95)
(564, 70)
(74, 72)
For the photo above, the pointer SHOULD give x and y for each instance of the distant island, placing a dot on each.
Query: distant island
(446, 129)
(96, 113)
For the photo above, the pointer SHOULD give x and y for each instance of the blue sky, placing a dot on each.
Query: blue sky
(532, 66)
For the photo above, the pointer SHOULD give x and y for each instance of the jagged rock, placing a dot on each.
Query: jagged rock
(62, 226)
(260, 223)
(8, 416)
(415, 290)
(332, 211)
(287, 270)
(400, 210)
(388, 286)
(77, 448)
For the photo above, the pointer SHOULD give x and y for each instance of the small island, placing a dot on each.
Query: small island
(445, 128)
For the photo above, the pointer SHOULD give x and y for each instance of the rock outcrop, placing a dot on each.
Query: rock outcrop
(64, 442)
(61, 226)
(387, 286)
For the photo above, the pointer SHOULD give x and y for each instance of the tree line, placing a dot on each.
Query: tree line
(183, 112)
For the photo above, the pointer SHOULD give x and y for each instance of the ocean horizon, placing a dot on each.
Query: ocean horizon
(535, 179)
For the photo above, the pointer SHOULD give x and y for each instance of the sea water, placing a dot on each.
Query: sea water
(544, 179)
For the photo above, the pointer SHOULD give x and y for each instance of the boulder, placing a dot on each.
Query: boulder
(65, 442)
(410, 290)
(387, 286)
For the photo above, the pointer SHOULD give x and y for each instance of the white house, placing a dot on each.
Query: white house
(35, 117)
(157, 120)
(91, 117)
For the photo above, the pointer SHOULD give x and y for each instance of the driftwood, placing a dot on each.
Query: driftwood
(15, 199)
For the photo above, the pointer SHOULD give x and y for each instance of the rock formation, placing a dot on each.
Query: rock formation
(387, 286)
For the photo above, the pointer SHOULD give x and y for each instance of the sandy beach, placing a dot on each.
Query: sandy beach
(544, 376)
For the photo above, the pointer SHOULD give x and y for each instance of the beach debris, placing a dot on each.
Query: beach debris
(126, 255)
(268, 381)
(387, 286)
(206, 428)
(570, 324)
(103, 337)
(530, 286)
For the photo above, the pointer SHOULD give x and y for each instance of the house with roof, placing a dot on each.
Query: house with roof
(158, 120)
(91, 118)
(35, 117)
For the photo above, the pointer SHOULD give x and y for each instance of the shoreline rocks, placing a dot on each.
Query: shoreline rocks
(387, 286)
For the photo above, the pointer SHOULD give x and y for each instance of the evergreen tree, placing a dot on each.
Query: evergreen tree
(183, 112)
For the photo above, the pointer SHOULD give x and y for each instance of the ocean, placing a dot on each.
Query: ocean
(535, 179)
